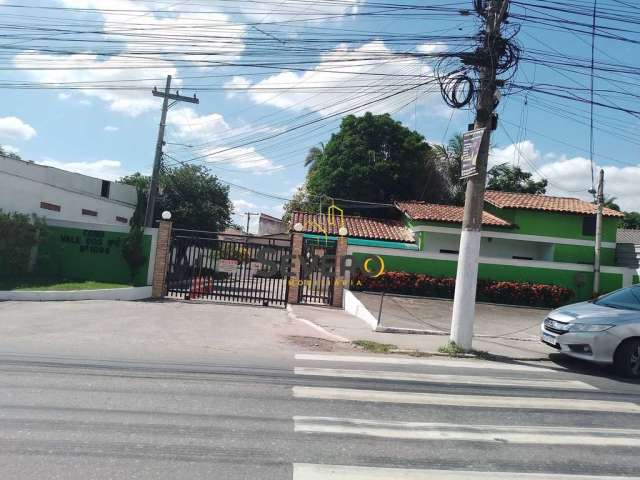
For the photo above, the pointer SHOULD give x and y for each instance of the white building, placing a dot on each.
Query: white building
(27, 187)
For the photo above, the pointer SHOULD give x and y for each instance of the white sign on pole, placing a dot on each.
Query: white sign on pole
(472, 142)
(227, 266)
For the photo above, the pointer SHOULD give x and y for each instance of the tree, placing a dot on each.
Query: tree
(631, 220)
(611, 203)
(374, 158)
(315, 153)
(195, 198)
(511, 178)
(449, 160)
(12, 155)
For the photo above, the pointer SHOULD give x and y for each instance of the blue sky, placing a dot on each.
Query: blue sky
(309, 62)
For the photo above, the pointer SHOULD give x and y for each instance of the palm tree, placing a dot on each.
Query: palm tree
(611, 203)
(449, 160)
(315, 153)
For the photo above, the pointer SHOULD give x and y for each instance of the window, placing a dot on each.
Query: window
(122, 220)
(91, 213)
(106, 187)
(454, 252)
(589, 226)
(626, 298)
(50, 206)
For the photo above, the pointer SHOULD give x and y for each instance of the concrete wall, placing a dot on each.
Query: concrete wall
(85, 251)
(25, 185)
(269, 225)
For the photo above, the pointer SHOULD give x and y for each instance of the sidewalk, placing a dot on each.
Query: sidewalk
(338, 325)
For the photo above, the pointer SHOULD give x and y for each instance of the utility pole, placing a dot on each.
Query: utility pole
(155, 180)
(596, 256)
(249, 215)
(467, 272)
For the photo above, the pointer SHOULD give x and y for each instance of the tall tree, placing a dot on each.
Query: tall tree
(449, 161)
(510, 178)
(315, 153)
(611, 203)
(631, 220)
(374, 158)
(195, 198)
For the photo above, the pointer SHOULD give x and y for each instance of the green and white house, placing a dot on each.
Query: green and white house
(525, 238)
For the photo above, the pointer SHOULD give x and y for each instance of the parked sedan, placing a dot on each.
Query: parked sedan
(605, 330)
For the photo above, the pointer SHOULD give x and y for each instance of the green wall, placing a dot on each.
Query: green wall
(88, 255)
(580, 282)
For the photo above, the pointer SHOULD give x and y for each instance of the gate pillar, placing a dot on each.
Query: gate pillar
(163, 246)
(338, 283)
(293, 295)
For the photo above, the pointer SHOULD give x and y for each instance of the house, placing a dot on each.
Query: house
(268, 225)
(56, 194)
(628, 248)
(525, 238)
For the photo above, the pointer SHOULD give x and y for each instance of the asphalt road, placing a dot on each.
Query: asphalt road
(304, 414)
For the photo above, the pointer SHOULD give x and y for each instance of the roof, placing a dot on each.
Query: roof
(444, 213)
(529, 201)
(627, 235)
(357, 227)
(269, 217)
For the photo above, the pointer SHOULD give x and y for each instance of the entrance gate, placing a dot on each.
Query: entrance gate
(316, 286)
(229, 268)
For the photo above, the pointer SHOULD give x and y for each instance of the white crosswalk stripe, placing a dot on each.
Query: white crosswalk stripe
(604, 437)
(340, 472)
(431, 362)
(448, 379)
(562, 395)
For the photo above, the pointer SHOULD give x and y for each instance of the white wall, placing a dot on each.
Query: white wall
(24, 185)
(490, 247)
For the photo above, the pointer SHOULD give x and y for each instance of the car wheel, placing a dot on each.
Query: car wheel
(627, 359)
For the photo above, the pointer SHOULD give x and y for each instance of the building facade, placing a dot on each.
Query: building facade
(52, 193)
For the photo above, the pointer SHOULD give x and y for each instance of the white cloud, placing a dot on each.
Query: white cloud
(10, 149)
(235, 84)
(240, 205)
(105, 169)
(12, 128)
(331, 87)
(190, 125)
(111, 128)
(64, 96)
(434, 47)
(138, 58)
(210, 132)
(571, 176)
(301, 10)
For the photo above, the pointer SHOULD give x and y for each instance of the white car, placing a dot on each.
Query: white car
(605, 330)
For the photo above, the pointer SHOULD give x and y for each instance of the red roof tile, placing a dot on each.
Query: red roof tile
(530, 201)
(358, 227)
(433, 212)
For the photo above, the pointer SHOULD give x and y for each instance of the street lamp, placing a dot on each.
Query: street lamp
(166, 215)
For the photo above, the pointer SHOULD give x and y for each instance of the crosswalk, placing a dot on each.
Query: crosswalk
(490, 404)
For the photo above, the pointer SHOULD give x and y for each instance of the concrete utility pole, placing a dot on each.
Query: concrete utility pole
(249, 215)
(155, 180)
(467, 274)
(596, 256)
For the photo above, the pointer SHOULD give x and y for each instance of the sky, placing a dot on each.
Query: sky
(274, 78)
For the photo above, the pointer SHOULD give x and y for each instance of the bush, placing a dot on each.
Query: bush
(20, 233)
(510, 293)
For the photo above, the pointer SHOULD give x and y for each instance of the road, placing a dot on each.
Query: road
(303, 413)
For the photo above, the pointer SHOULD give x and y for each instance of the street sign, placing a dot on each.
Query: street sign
(472, 143)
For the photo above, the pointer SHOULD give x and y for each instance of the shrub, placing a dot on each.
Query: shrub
(20, 233)
(510, 293)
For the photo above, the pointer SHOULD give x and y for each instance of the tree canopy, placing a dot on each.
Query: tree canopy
(511, 178)
(373, 158)
(195, 198)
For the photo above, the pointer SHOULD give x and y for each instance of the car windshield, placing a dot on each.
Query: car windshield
(627, 298)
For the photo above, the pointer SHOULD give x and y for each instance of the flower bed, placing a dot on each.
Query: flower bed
(510, 293)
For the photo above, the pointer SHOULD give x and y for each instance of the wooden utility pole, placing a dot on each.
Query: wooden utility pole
(467, 273)
(155, 180)
(596, 256)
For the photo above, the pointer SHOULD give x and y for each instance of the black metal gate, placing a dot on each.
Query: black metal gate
(317, 276)
(215, 266)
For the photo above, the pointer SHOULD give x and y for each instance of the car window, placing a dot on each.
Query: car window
(628, 298)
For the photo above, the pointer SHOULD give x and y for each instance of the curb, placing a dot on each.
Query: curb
(324, 331)
(416, 331)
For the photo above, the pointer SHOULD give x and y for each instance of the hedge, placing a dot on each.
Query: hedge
(510, 293)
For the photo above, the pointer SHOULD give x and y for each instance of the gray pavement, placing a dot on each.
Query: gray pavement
(511, 335)
(272, 400)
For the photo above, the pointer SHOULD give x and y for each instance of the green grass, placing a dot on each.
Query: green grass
(54, 284)
(454, 350)
(374, 347)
